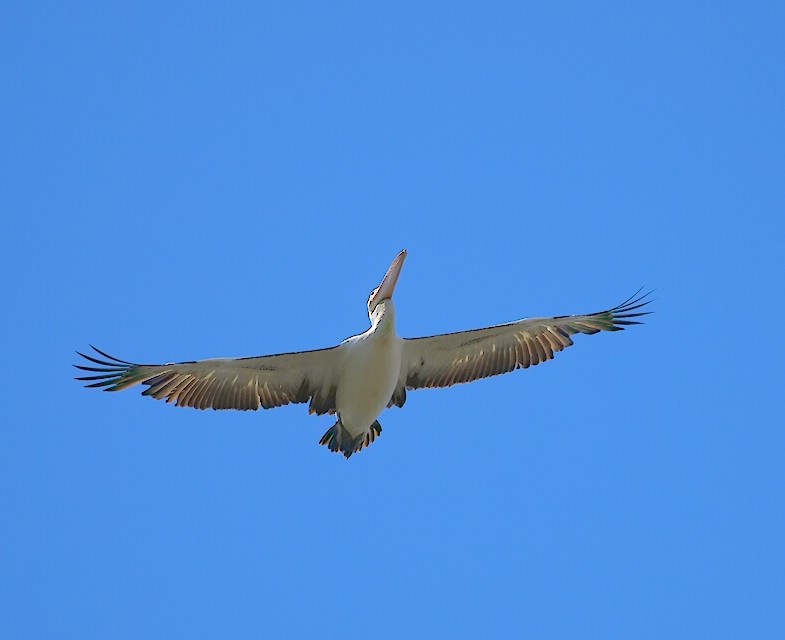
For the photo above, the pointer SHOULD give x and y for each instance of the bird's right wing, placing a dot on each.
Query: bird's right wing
(454, 358)
(227, 383)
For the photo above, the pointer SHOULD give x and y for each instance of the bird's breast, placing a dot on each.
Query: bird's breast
(370, 374)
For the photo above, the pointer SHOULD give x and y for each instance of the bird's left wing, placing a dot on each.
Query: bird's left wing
(454, 358)
(226, 383)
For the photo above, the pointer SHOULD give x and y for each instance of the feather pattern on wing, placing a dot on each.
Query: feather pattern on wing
(226, 383)
(454, 358)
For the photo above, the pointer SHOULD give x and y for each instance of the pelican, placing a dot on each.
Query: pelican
(357, 379)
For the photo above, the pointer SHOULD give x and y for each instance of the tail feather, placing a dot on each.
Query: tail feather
(339, 440)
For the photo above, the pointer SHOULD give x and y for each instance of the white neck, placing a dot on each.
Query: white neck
(383, 316)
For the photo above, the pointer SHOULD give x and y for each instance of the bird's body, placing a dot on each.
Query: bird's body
(363, 375)
(372, 364)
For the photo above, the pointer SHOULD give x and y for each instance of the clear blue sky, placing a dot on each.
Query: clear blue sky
(226, 179)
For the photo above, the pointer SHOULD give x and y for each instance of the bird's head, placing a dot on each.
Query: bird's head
(384, 291)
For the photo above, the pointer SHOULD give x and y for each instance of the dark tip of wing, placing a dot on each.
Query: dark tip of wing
(112, 370)
(103, 363)
(84, 368)
(105, 376)
(106, 355)
(105, 383)
(621, 315)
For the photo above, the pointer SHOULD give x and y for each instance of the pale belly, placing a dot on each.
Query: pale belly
(368, 382)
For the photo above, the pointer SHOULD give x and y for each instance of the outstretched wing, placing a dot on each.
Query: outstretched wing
(226, 383)
(454, 358)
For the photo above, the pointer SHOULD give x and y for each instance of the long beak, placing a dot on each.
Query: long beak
(387, 286)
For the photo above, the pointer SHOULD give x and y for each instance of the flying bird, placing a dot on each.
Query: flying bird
(357, 379)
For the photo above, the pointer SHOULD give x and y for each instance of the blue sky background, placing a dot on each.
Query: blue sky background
(228, 179)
